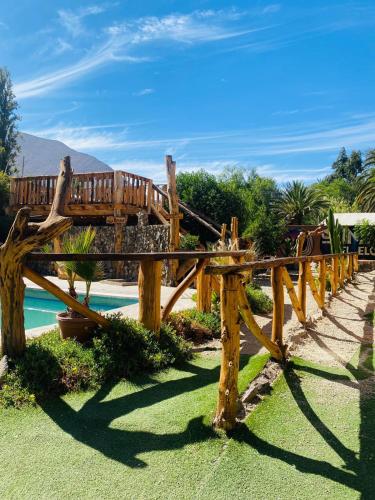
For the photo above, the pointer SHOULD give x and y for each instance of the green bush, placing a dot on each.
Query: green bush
(195, 325)
(189, 242)
(126, 348)
(51, 366)
(4, 191)
(259, 301)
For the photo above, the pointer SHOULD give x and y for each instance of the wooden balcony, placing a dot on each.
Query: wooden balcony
(94, 194)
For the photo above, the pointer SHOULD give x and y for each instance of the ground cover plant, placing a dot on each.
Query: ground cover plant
(51, 366)
(259, 301)
(196, 326)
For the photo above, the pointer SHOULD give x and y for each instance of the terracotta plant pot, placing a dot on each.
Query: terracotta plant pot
(78, 328)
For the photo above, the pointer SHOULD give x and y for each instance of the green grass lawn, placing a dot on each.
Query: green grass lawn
(314, 437)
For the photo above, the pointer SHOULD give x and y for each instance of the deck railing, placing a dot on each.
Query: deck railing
(103, 190)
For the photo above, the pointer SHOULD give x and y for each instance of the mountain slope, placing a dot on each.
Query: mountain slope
(42, 157)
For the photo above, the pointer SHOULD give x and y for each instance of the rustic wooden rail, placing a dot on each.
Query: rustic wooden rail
(90, 194)
(338, 268)
(234, 304)
(149, 278)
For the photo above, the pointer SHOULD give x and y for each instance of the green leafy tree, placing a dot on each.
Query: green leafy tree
(4, 192)
(347, 167)
(370, 158)
(365, 232)
(267, 231)
(299, 204)
(8, 124)
(207, 194)
(366, 191)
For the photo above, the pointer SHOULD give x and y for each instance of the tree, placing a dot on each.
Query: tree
(370, 158)
(8, 124)
(4, 192)
(347, 167)
(204, 192)
(366, 191)
(365, 232)
(299, 204)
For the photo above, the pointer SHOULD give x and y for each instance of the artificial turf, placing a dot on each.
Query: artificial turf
(314, 437)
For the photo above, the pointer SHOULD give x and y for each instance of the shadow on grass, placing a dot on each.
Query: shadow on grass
(358, 472)
(90, 425)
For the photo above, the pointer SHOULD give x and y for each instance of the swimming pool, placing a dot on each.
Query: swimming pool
(40, 307)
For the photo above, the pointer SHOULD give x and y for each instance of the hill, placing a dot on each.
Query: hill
(42, 156)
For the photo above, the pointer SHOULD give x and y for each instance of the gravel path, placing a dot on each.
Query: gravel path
(331, 338)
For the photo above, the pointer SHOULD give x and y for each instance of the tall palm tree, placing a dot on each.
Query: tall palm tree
(370, 158)
(299, 204)
(366, 190)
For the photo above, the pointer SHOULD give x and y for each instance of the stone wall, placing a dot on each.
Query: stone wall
(140, 238)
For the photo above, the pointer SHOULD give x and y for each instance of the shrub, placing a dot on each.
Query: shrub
(195, 325)
(126, 348)
(365, 233)
(51, 366)
(259, 301)
(189, 242)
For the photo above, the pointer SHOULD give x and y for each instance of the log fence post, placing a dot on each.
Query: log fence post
(355, 263)
(230, 337)
(342, 271)
(204, 291)
(174, 216)
(302, 287)
(278, 305)
(350, 267)
(322, 280)
(335, 272)
(149, 288)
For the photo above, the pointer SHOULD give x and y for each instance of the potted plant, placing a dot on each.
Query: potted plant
(71, 323)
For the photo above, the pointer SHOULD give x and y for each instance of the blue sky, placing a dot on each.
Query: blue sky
(276, 86)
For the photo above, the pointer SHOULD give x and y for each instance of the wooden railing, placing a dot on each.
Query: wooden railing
(100, 191)
(339, 268)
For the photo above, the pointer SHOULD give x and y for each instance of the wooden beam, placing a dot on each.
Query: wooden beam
(264, 264)
(278, 305)
(64, 297)
(149, 291)
(313, 287)
(293, 296)
(184, 285)
(322, 280)
(204, 292)
(335, 274)
(174, 223)
(252, 325)
(302, 286)
(138, 257)
(226, 412)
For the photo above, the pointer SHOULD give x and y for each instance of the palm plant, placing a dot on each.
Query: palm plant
(89, 271)
(366, 190)
(299, 204)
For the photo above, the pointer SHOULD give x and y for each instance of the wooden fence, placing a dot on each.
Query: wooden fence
(230, 280)
(149, 280)
(338, 268)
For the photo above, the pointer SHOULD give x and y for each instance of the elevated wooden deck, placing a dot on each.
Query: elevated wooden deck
(95, 194)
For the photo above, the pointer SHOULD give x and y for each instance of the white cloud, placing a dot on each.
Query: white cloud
(142, 92)
(123, 39)
(72, 20)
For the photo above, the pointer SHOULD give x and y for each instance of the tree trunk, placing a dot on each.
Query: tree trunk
(23, 238)
(12, 293)
(230, 355)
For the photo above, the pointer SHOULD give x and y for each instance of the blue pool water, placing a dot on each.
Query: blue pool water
(40, 307)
